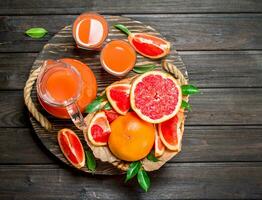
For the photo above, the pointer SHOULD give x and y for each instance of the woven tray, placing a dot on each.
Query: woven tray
(62, 45)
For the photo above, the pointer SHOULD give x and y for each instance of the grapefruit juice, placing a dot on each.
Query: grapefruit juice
(60, 85)
(90, 30)
(118, 57)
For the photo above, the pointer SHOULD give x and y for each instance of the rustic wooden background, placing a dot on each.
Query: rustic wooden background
(221, 44)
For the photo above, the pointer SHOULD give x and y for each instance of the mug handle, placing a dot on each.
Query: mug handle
(76, 115)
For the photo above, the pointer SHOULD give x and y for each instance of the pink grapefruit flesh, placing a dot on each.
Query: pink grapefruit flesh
(118, 96)
(71, 147)
(111, 115)
(159, 146)
(169, 133)
(155, 96)
(99, 129)
(149, 45)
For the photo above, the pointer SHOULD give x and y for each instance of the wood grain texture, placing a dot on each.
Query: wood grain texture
(13, 112)
(14, 69)
(174, 181)
(114, 6)
(191, 32)
(225, 69)
(208, 69)
(231, 106)
(200, 144)
(22, 146)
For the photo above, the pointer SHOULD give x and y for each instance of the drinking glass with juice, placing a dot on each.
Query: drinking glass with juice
(60, 89)
(90, 31)
(118, 57)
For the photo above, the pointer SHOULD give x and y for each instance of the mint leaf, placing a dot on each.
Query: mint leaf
(36, 32)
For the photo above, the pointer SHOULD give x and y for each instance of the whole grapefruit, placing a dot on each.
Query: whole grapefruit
(131, 138)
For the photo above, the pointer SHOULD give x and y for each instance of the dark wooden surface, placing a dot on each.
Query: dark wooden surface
(219, 41)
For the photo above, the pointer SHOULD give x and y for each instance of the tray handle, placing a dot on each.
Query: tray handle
(29, 103)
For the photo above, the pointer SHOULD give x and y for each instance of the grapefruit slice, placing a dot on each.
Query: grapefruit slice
(99, 129)
(159, 146)
(111, 115)
(147, 45)
(118, 96)
(155, 96)
(170, 133)
(71, 147)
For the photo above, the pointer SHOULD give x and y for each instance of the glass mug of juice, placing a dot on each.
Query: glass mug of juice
(59, 85)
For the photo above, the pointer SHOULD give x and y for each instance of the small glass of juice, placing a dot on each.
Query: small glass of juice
(118, 57)
(59, 85)
(90, 31)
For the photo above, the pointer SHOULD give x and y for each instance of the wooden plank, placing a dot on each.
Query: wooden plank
(232, 106)
(113, 6)
(13, 112)
(21, 146)
(175, 181)
(226, 143)
(188, 32)
(208, 32)
(200, 144)
(224, 69)
(14, 69)
(205, 69)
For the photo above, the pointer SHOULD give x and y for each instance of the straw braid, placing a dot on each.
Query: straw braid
(29, 103)
(171, 68)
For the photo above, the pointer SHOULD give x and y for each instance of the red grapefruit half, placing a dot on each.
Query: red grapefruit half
(71, 147)
(118, 96)
(99, 129)
(155, 96)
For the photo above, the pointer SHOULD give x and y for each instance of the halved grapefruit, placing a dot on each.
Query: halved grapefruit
(147, 45)
(118, 96)
(159, 146)
(71, 147)
(155, 96)
(99, 129)
(170, 133)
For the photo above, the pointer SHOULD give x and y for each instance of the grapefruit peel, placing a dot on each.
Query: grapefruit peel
(147, 45)
(99, 129)
(118, 96)
(71, 147)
